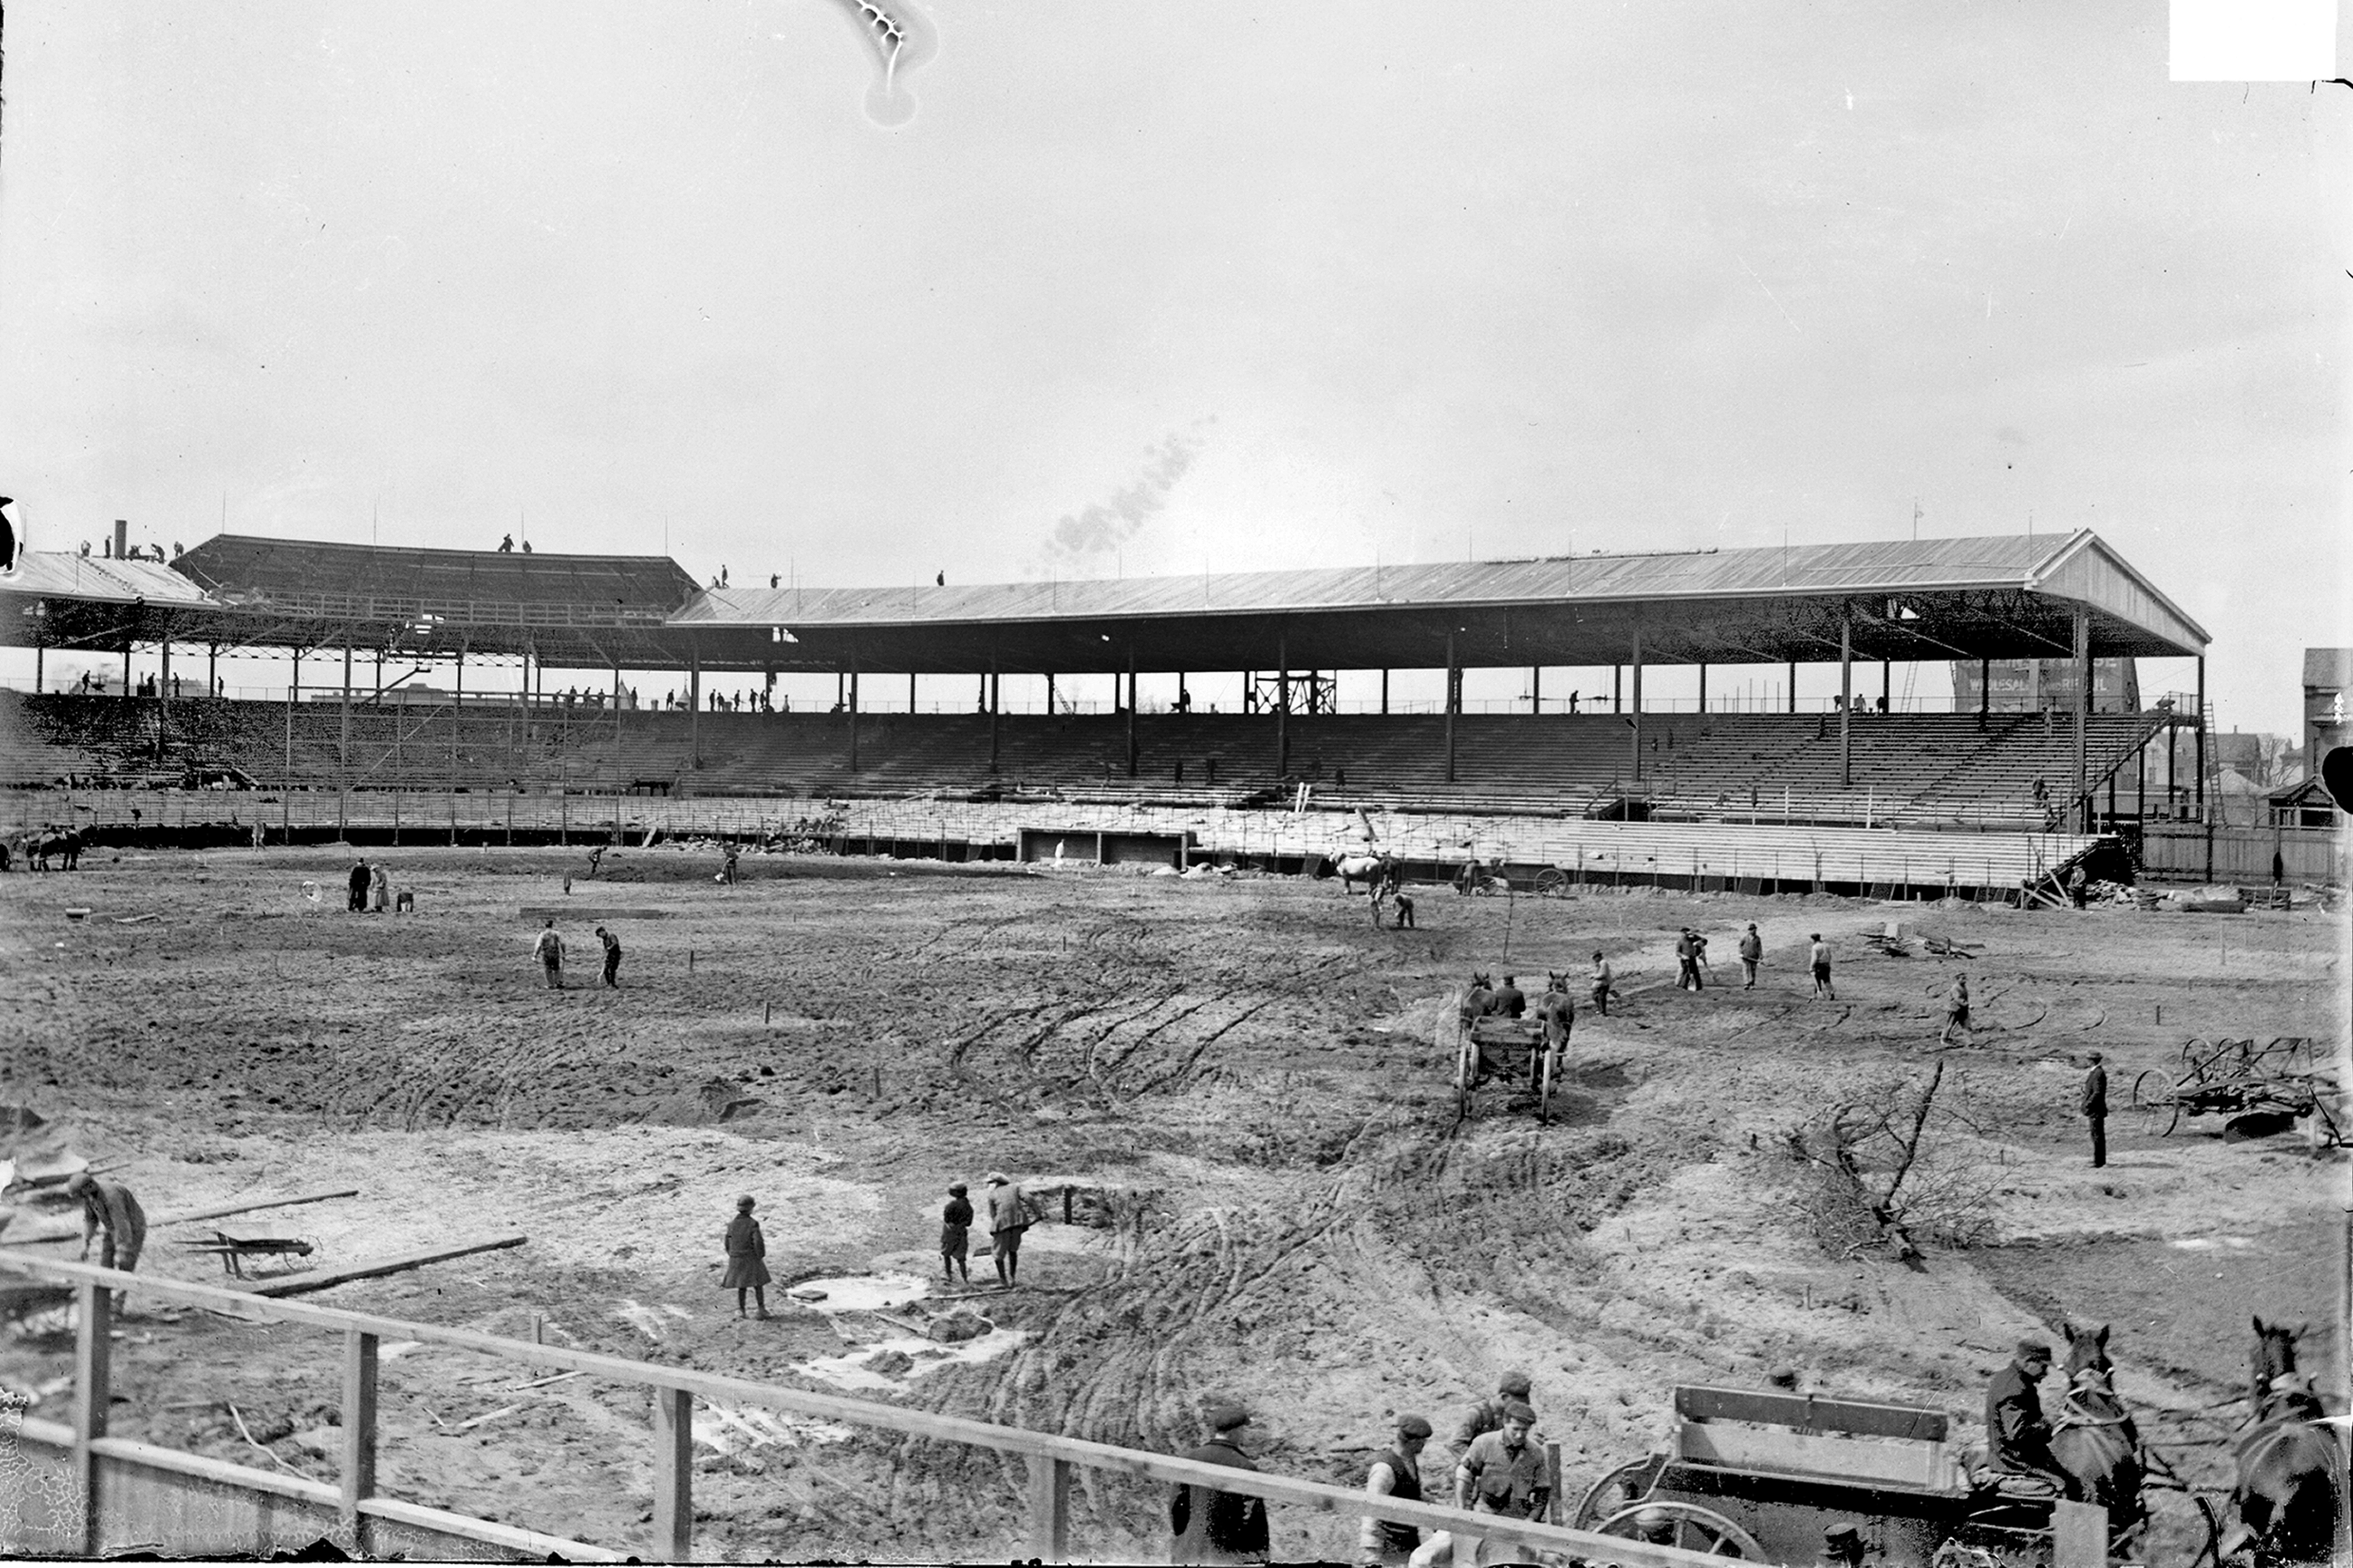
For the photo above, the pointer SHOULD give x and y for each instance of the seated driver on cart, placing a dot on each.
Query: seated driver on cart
(2018, 1440)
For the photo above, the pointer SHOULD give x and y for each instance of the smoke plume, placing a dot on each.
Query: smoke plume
(1109, 524)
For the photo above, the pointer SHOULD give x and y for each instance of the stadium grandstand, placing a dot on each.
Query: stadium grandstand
(368, 735)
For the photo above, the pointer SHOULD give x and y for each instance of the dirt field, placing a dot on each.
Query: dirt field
(1240, 1076)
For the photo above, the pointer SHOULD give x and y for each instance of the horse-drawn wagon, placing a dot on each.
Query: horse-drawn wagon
(1772, 1478)
(1492, 1046)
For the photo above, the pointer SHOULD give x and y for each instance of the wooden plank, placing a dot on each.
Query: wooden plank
(93, 1355)
(1897, 1461)
(73, 1232)
(358, 1467)
(530, 1543)
(577, 912)
(673, 1521)
(303, 1284)
(1807, 1413)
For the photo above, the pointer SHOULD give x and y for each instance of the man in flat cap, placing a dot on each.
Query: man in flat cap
(1395, 1472)
(111, 1218)
(2018, 1440)
(1218, 1526)
(1503, 1471)
(1489, 1414)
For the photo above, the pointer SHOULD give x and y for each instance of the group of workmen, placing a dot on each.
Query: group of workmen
(1500, 1468)
(547, 948)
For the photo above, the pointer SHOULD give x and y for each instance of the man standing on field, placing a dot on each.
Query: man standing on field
(1818, 958)
(1752, 953)
(612, 958)
(549, 951)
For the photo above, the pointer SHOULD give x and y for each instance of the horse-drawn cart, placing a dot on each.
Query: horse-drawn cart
(1767, 1476)
(1507, 1051)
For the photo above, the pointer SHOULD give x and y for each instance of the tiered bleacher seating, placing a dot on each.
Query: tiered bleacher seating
(1929, 770)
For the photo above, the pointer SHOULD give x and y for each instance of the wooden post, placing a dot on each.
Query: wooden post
(1985, 691)
(673, 1537)
(1846, 698)
(1559, 1507)
(853, 715)
(1131, 709)
(1049, 1509)
(1536, 688)
(358, 1477)
(1385, 691)
(1702, 686)
(994, 691)
(93, 1362)
(2079, 1535)
(694, 709)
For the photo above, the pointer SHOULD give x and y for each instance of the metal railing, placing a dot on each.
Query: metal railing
(96, 1459)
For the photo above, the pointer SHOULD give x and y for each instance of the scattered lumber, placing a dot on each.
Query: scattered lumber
(577, 912)
(303, 1284)
(56, 1232)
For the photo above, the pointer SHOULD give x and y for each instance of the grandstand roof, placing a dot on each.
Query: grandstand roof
(2003, 596)
(2011, 596)
(494, 586)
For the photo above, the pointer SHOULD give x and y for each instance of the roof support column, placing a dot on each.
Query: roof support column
(212, 669)
(1131, 711)
(1886, 684)
(343, 747)
(1702, 686)
(458, 696)
(1618, 689)
(39, 650)
(1536, 688)
(1637, 662)
(1282, 707)
(2082, 717)
(1384, 692)
(164, 681)
(1793, 685)
(1846, 696)
(1453, 702)
(853, 715)
(1049, 693)
(694, 709)
(294, 692)
(994, 691)
(1985, 691)
(910, 691)
(126, 667)
(2202, 741)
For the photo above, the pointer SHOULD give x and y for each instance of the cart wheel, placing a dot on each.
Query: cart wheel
(1685, 1524)
(1548, 1075)
(1552, 882)
(1466, 1069)
(2157, 1096)
(1626, 1484)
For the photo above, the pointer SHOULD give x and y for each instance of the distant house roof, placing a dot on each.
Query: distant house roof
(2330, 668)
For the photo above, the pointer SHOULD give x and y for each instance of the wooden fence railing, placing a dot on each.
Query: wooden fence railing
(97, 1462)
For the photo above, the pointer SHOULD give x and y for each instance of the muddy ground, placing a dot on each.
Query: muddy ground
(1241, 1078)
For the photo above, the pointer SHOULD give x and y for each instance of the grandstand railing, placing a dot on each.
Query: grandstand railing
(120, 1492)
(404, 609)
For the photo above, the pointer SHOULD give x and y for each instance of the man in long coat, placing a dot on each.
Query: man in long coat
(1217, 1526)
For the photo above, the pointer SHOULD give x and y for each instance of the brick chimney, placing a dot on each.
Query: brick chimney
(123, 539)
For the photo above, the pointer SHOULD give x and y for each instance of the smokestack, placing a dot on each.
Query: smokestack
(123, 539)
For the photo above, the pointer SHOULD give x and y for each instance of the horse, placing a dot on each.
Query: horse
(65, 845)
(1369, 866)
(2094, 1438)
(1556, 1009)
(2290, 1468)
(1479, 1001)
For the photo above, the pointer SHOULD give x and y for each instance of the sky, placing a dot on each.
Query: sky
(1087, 290)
